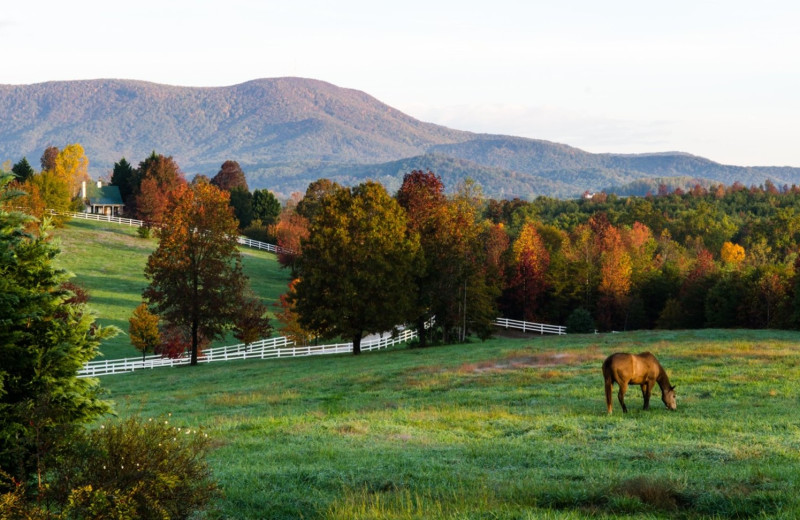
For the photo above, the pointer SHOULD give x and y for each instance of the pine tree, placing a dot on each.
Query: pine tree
(46, 336)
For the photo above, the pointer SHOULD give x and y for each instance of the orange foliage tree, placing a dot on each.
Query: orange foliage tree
(528, 281)
(195, 273)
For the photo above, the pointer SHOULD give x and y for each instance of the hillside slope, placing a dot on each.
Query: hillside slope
(286, 132)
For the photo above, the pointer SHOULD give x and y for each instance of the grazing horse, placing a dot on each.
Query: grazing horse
(637, 369)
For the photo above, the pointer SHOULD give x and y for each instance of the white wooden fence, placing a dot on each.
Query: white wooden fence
(249, 242)
(267, 348)
(526, 326)
(271, 348)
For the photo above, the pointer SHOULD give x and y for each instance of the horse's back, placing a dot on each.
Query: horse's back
(631, 368)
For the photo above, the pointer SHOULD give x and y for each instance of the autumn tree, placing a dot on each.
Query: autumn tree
(308, 206)
(528, 281)
(143, 330)
(230, 177)
(615, 278)
(48, 159)
(155, 179)
(251, 322)
(287, 315)
(72, 165)
(422, 196)
(290, 232)
(732, 254)
(465, 298)
(195, 274)
(357, 265)
(52, 190)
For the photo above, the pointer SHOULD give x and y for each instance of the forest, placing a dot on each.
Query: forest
(711, 256)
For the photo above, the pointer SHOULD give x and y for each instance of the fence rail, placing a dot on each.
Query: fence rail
(526, 326)
(249, 242)
(272, 348)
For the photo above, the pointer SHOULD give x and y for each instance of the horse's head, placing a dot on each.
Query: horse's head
(668, 396)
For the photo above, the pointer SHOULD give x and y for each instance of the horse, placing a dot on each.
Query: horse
(638, 369)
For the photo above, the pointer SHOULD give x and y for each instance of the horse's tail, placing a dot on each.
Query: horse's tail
(607, 369)
(609, 381)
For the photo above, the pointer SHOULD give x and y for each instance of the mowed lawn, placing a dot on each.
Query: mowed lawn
(109, 259)
(505, 429)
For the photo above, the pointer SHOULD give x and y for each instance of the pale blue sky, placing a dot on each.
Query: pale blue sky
(719, 79)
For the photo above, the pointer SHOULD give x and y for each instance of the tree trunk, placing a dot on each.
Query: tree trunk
(357, 344)
(194, 343)
(421, 331)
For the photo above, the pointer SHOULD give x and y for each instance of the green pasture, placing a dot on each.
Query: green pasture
(109, 259)
(505, 429)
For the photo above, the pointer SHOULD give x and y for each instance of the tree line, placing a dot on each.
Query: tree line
(706, 257)
(718, 256)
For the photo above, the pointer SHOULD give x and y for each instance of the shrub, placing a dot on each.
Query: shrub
(135, 469)
(580, 322)
(143, 232)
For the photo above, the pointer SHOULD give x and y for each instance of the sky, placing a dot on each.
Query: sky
(719, 79)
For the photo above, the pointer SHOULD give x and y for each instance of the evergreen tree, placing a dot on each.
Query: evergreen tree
(266, 207)
(124, 177)
(46, 335)
(23, 170)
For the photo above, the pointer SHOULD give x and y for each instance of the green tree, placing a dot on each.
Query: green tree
(242, 204)
(45, 338)
(124, 177)
(52, 190)
(356, 271)
(195, 273)
(266, 207)
(23, 170)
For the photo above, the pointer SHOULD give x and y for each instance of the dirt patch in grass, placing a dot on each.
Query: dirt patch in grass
(522, 359)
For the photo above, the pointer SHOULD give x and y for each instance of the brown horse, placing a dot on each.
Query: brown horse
(637, 369)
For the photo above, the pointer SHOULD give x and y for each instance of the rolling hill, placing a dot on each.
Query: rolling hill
(287, 132)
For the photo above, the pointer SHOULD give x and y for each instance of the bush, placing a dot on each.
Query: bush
(580, 322)
(134, 469)
(260, 231)
(143, 232)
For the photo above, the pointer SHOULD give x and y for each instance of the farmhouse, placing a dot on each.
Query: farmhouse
(101, 200)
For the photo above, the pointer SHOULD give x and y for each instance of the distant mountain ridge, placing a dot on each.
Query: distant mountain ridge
(287, 132)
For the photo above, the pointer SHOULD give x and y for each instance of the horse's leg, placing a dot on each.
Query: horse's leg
(623, 387)
(647, 388)
(609, 387)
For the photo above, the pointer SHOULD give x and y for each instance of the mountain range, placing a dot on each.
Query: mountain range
(287, 132)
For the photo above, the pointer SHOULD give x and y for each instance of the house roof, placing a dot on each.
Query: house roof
(104, 196)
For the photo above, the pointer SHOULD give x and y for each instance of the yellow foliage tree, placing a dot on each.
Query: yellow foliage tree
(72, 165)
(732, 254)
(143, 330)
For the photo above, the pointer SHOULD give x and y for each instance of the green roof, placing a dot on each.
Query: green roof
(103, 196)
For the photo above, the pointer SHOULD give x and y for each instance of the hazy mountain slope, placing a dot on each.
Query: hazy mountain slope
(285, 119)
(497, 182)
(286, 132)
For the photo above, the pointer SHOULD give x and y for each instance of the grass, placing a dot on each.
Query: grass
(109, 259)
(509, 428)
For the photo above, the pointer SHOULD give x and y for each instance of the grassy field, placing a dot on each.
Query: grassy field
(108, 260)
(506, 429)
